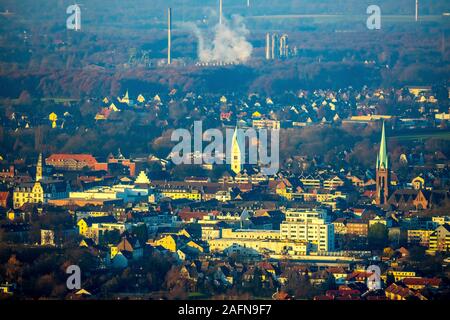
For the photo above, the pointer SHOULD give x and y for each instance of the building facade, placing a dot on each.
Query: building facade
(312, 226)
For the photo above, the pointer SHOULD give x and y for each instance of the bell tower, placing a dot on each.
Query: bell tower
(382, 171)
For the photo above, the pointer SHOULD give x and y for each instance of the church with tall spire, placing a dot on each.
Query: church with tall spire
(382, 171)
(41, 189)
(236, 156)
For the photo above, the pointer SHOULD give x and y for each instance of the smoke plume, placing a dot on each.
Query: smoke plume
(228, 45)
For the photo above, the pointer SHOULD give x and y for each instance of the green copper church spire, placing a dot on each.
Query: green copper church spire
(382, 158)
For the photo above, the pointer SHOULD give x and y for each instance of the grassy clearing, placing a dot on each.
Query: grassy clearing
(412, 137)
(60, 100)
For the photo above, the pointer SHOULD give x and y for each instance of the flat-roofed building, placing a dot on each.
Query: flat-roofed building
(254, 242)
(312, 226)
(419, 237)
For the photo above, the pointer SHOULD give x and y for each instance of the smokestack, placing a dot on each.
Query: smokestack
(220, 11)
(169, 36)
(274, 44)
(284, 46)
(267, 46)
(443, 44)
(417, 10)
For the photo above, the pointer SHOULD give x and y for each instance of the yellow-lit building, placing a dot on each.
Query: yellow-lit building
(175, 242)
(333, 183)
(168, 242)
(93, 227)
(250, 241)
(141, 98)
(28, 193)
(440, 239)
(397, 292)
(179, 193)
(419, 237)
(266, 124)
(400, 275)
(39, 191)
(418, 183)
(82, 227)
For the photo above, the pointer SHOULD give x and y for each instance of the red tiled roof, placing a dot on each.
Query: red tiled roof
(422, 281)
(358, 275)
(339, 270)
(401, 291)
(266, 265)
(343, 293)
(4, 195)
(369, 193)
(282, 296)
(77, 157)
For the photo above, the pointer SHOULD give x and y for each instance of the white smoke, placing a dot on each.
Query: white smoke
(229, 42)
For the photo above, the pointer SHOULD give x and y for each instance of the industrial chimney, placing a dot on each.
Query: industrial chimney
(417, 10)
(268, 46)
(220, 11)
(274, 46)
(169, 36)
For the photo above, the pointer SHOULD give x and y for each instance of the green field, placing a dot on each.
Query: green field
(60, 100)
(412, 137)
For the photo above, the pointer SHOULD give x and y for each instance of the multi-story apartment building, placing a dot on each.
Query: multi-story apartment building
(266, 124)
(358, 228)
(310, 181)
(177, 192)
(312, 226)
(440, 239)
(333, 183)
(419, 237)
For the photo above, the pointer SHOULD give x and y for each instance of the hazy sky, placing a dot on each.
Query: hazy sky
(257, 7)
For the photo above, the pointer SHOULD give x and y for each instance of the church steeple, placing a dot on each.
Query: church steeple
(382, 171)
(382, 158)
(236, 157)
(39, 168)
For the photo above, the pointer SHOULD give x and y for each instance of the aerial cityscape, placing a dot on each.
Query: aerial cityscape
(225, 150)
